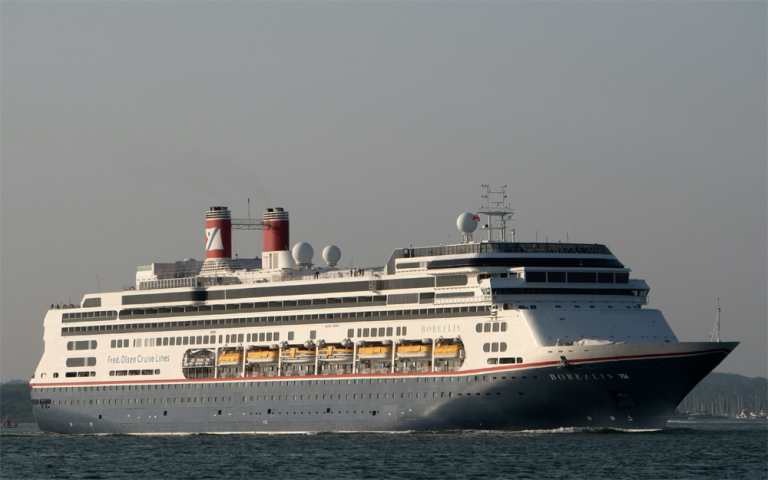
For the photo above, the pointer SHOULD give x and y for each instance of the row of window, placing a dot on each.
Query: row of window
(259, 306)
(122, 373)
(275, 383)
(565, 291)
(516, 247)
(81, 362)
(576, 277)
(269, 398)
(505, 360)
(375, 315)
(488, 327)
(495, 347)
(82, 345)
(234, 308)
(511, 306)
(76, 374)
(376, 332)
(278, 291)
(104, 315)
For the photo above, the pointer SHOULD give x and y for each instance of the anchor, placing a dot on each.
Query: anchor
(564, 365)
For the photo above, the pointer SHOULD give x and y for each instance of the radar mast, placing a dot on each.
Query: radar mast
(498, 212)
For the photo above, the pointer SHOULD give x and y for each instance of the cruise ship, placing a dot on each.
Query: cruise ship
(487, 334)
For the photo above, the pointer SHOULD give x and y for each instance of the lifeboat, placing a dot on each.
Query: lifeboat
(262, 356)
(231, 359)
(445, 352)
(375, 353)
(297, 356)
(336, 355)
(414, 351)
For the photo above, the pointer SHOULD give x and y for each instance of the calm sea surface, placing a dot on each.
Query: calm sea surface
(685, 449)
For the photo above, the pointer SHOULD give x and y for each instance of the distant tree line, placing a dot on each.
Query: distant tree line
(727, 394)
(15, 401)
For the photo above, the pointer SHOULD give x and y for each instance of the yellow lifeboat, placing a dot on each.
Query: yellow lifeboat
(333, 354)
(375, 353)
(231, 359)
(262, 356)
(414, 351)
(297, 356)
(444, 352)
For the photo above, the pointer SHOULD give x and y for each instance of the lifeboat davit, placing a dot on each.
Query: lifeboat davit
(414, 351)
(228, 359)
(297, 356)
(446, 352)
(332, 354)
(262, 357)
(375, 353)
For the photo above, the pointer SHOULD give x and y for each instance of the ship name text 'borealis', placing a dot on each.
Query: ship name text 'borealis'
(486, 334)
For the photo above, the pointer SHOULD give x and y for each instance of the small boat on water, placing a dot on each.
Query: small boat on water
(7, 423)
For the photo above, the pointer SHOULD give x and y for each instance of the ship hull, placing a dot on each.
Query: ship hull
(633, 387)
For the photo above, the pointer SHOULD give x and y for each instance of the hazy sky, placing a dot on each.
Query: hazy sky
(641, 125)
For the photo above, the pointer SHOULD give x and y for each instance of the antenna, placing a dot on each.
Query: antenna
(715, 335)
(498, 212)
(97, 282)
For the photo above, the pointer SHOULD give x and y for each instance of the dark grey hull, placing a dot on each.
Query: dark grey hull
(633, 392)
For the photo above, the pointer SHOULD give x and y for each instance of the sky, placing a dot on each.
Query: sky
(639, 125)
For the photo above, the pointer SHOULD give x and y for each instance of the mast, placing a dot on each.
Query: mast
(715, 335)
(498, 212)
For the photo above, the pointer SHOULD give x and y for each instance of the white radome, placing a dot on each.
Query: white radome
(303, 253)
(331, 255)
(465, 223)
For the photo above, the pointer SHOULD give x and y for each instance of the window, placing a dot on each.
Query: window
(538, 277)
(366, 332)
(112, 344)
(495, 347)
(605, 277)
(507, 360)
(487, 327)
(487, 347)
(389, 331)
(495, 327)
(239, 338)
(503, 326)
(556, 277)
(290, 335)
(269, 336)
(350, 334)
(478, 328)
(502, 347)
(582, 277)
(312, 334)
(276, 336)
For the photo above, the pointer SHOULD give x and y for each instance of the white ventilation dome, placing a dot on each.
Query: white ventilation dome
(467, 223)
(302, 254)
(331, 255)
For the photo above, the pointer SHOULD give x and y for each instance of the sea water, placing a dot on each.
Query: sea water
(721, 449)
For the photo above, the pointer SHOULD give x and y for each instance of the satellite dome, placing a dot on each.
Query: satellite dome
(331, 255)
(302, 254)
(467, 222)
